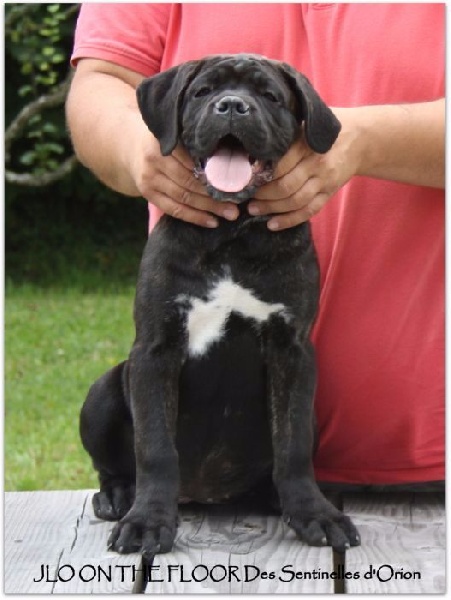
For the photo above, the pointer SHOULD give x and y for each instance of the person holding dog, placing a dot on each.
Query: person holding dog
(375, 200)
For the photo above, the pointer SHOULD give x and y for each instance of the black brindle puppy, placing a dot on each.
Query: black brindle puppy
(217, 393)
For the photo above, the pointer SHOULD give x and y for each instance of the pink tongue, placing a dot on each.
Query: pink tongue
(228, 170)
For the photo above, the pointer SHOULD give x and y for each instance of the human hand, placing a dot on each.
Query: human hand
(168, 182)
(304, 181)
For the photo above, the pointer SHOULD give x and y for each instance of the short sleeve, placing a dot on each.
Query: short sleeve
(130, 35)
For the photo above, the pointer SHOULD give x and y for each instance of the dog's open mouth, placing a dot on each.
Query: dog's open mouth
(231, 173)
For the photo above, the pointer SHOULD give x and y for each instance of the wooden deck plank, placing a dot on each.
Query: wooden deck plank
(225, 550)
(220, 545)
(98, 571)
(403, 543)
(59, 531)
(38, 526)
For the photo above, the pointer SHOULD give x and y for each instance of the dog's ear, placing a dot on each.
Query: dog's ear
(160, 100)
(321, 125)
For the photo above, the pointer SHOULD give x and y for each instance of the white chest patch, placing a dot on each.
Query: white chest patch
(207, 318)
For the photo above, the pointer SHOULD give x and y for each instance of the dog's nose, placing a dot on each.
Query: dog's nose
(229, 106)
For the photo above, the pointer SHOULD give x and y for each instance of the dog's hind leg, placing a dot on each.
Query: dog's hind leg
(106, 431)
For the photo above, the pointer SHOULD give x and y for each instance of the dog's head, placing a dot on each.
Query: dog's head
(236, 115)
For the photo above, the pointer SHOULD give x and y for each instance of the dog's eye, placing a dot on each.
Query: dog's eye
(202, 91)
(270, 96)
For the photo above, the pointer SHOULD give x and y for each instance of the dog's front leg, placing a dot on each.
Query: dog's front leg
(151, 523)
(291, 380)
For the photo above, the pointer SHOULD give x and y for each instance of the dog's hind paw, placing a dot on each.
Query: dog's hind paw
(113, 502)
(146, 534)
(331, 528)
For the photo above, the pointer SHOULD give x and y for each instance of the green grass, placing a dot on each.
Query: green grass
(57, 342)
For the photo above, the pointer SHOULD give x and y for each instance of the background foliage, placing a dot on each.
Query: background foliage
(72, 254)
(74, 225)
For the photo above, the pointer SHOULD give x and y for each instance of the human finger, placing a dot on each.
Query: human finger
(184, 212)
(296, 217)
(300, 193)
(182, 194)
(297, 152)
(182, 157)
(285, 186)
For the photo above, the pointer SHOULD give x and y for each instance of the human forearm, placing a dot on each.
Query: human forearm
(404, 143)
(104, 120)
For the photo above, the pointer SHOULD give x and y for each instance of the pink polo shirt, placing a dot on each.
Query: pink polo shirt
(379, 335)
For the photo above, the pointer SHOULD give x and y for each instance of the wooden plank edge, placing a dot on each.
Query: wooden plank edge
(400, 552)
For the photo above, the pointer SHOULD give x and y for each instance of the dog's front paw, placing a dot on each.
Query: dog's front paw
(326, 527)
(113, 501)
(150, 533)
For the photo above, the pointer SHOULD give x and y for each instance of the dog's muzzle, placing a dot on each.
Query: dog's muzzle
(231, 173)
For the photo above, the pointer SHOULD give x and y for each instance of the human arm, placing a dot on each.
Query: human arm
(404, 143)
(111, 139)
